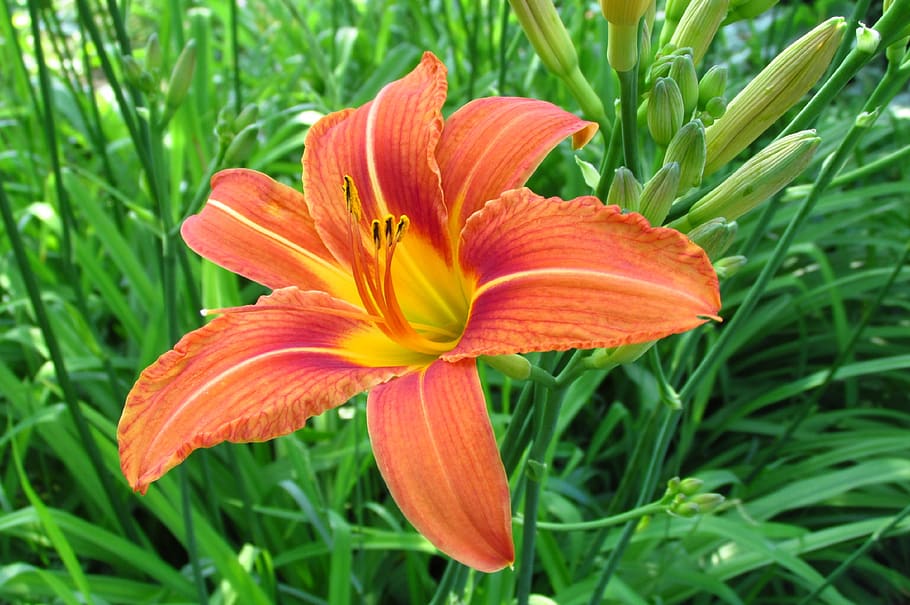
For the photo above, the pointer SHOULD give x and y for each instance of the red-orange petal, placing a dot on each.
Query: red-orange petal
(261, 229)
(252, 374)
(554, 275)
(494, 144)
(386, 147)
(434, 445)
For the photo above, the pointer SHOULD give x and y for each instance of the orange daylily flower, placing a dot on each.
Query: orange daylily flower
(400, 264)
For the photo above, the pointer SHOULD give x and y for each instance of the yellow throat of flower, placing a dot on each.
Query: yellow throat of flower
(371, 267)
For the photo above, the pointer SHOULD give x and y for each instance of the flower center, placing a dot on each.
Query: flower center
(371, 265)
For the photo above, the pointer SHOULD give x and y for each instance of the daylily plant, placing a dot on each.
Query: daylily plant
(411, 252)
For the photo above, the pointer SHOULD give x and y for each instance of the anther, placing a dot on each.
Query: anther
(352, 198)
(402, 228)
(377, 236)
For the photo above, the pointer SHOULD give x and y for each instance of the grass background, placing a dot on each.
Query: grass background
(800, 418)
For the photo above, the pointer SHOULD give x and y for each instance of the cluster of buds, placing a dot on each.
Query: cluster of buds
(772, 92)
(147, 75)
(683, 500)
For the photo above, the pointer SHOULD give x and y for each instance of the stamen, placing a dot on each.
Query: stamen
(377, 240)
(374, 280)
(402, 228)
(352, 198)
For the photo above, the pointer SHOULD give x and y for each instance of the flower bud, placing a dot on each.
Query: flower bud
(707, 503)
(684, 509)
(763, 175)
(716, 107)
(672, 14)
(547, 34)
(712, 84)
(603, 359)
(624, 12)
(682, 70)
(688, 150)
(625, 190)
(729, 266)
(153, 54)
(513, 366)
(673, 486)
(714, 236)
(181, 77)
(659, 192)
(690, 486)
(622, 31)
(247, 116)
(242, 146)
(699, 25)
(665, 110)
(773, 91)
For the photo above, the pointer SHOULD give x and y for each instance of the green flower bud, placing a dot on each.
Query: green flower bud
(610, 358)
(682, 70)
(625, 190)
(688, 150)
(698, 26)
(181, 77)
(729, 266)
(624, 12)
(712, 84)
(684, 509)
(714, 236)
(672, 14)
(747, 9)
(665, 110)
(622, 31)
(659, 192)
(673, 486)
(707, 503)
(153, 54)
(247, 116)
(773, 91)
(132, 70)
(690, 486)
(548, 35)
(763, 175)
(242, 146)
(513, 366)
(716, 107)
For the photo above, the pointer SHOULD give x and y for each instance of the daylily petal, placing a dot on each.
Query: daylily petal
(554, 275)
(386, 147)
(433, 443)
(261, 229)
(252, 374)
(494, 144)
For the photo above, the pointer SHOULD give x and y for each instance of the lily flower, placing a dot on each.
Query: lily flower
(411, 252)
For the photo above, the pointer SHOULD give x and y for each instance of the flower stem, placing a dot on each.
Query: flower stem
(628, 104)
(546, 408)
(630, 515)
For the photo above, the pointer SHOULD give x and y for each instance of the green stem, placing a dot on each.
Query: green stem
(610, 163)
(631, 515)
(628, 94)
(546, 414)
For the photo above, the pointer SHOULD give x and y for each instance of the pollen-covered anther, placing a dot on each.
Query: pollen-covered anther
(352, 198)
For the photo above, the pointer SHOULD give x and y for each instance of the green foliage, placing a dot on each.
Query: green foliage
(795, 408)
